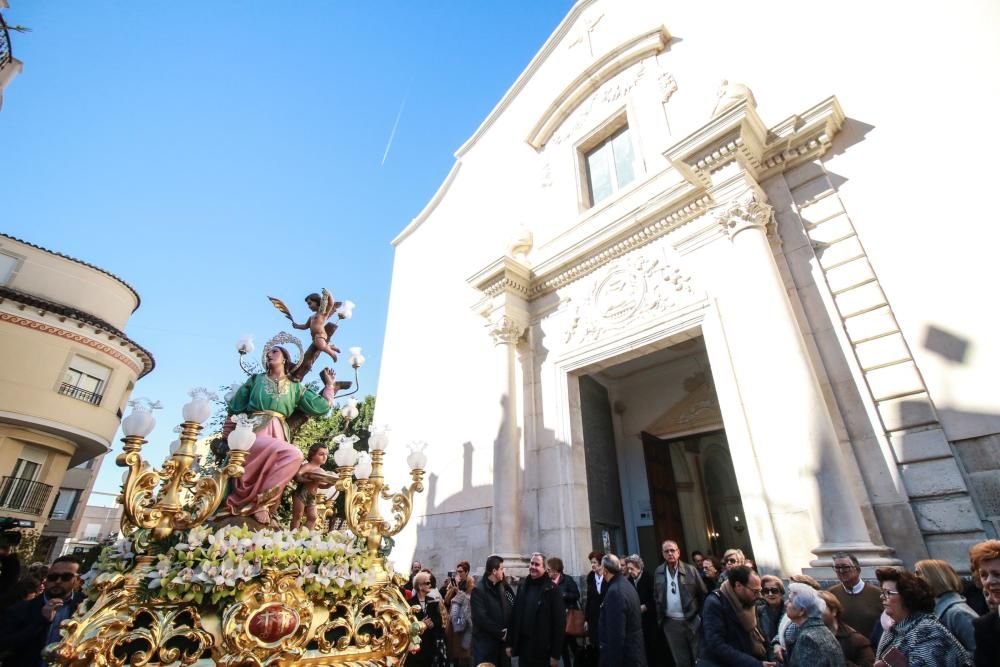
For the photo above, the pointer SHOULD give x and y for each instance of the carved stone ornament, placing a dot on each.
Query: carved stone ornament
(747, 212)
(731, 94)
(505, 330)
(599, 102)
(632, 289)
(668, 86)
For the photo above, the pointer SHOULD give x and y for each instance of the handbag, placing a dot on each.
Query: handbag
(574, 623)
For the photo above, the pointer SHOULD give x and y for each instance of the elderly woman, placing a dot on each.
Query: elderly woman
(771, 606)
(430, 618)
(916, 638)
(857, 649)
(950, 606)
(815, 645)
(730, 559)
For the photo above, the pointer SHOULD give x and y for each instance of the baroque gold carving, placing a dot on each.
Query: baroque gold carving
(273, 595)
(116, 630)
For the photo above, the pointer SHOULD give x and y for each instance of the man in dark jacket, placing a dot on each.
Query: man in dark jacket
(729, 633)
(29, 626)
(620, 625)
(490, 615)
(538, 622)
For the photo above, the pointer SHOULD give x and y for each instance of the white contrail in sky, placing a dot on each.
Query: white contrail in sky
(394, 126)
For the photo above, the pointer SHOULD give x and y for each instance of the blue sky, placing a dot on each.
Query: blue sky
(214, 153)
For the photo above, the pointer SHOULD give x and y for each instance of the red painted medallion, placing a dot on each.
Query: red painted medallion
(273, 623)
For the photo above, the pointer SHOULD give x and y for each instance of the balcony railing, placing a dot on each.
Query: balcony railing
(23, 495)
(5, 53)
(73, 391)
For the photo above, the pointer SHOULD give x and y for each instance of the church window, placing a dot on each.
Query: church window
(610, 166)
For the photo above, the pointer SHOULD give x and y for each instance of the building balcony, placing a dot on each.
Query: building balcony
(73, 391)
(23, 495)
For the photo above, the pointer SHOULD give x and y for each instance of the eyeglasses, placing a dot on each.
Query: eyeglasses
(55, 576)
(732, 559)
(755, 591)
(885, 595)
(771, 591)
(843, 568)
(673, 588)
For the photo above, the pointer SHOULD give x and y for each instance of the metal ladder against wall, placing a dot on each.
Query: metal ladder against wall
(948, 516)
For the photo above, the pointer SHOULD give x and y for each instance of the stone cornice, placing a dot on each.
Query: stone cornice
(605, 67)
(737, 135)
(505, 274)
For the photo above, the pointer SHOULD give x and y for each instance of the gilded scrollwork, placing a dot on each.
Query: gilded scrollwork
(115, 630)
(269, 624)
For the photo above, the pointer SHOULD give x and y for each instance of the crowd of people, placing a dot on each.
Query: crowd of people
(710, 612)
(707, 613)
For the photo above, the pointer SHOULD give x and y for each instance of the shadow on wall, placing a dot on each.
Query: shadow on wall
(459, 527)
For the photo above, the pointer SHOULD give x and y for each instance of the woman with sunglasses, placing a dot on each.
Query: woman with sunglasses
(771, 606)
(857, 649)
(916, 639)
(711, 573)
(430, 616)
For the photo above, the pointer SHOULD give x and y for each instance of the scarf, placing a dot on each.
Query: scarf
(748, 620)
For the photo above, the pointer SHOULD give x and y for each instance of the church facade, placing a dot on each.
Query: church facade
(706, 275)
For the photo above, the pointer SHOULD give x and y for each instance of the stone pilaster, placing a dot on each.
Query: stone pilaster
(808, 493)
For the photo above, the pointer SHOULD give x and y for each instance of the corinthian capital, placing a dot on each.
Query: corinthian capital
(747, 212)
(505, 330)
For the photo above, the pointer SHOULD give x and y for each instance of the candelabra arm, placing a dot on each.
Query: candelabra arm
(184, 500)
(138, 498)
(402, 504)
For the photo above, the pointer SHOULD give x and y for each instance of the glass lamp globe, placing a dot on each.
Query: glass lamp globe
(345, 455)
(363, 470)
(379, 439)
(199, 409)
(242, 437)
(350, 411)
(140, 422)
(356, 359)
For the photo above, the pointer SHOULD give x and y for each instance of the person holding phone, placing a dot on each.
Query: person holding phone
(916, 639)
(29, 626)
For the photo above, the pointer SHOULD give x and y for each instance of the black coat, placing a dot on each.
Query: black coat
(723, 640)
(23, 631)
(592, 612)
(548, 629)
(987, 630)
(620, 626)
(490, 620)
(429, 637)
(650, 628)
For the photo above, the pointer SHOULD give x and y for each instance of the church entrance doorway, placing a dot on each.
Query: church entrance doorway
(693, 472)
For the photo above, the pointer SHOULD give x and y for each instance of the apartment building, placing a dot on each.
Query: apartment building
(67, 370)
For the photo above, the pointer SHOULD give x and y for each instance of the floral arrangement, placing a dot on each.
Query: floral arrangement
(214, 564)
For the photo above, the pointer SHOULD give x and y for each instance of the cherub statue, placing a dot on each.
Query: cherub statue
(319, 326)
(311, 478)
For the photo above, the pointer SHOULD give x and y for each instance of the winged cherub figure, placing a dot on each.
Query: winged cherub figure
(318, 324)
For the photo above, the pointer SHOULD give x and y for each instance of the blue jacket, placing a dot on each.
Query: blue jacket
(723, 641)
(620, 626)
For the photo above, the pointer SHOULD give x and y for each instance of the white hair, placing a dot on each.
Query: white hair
(805, 597)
